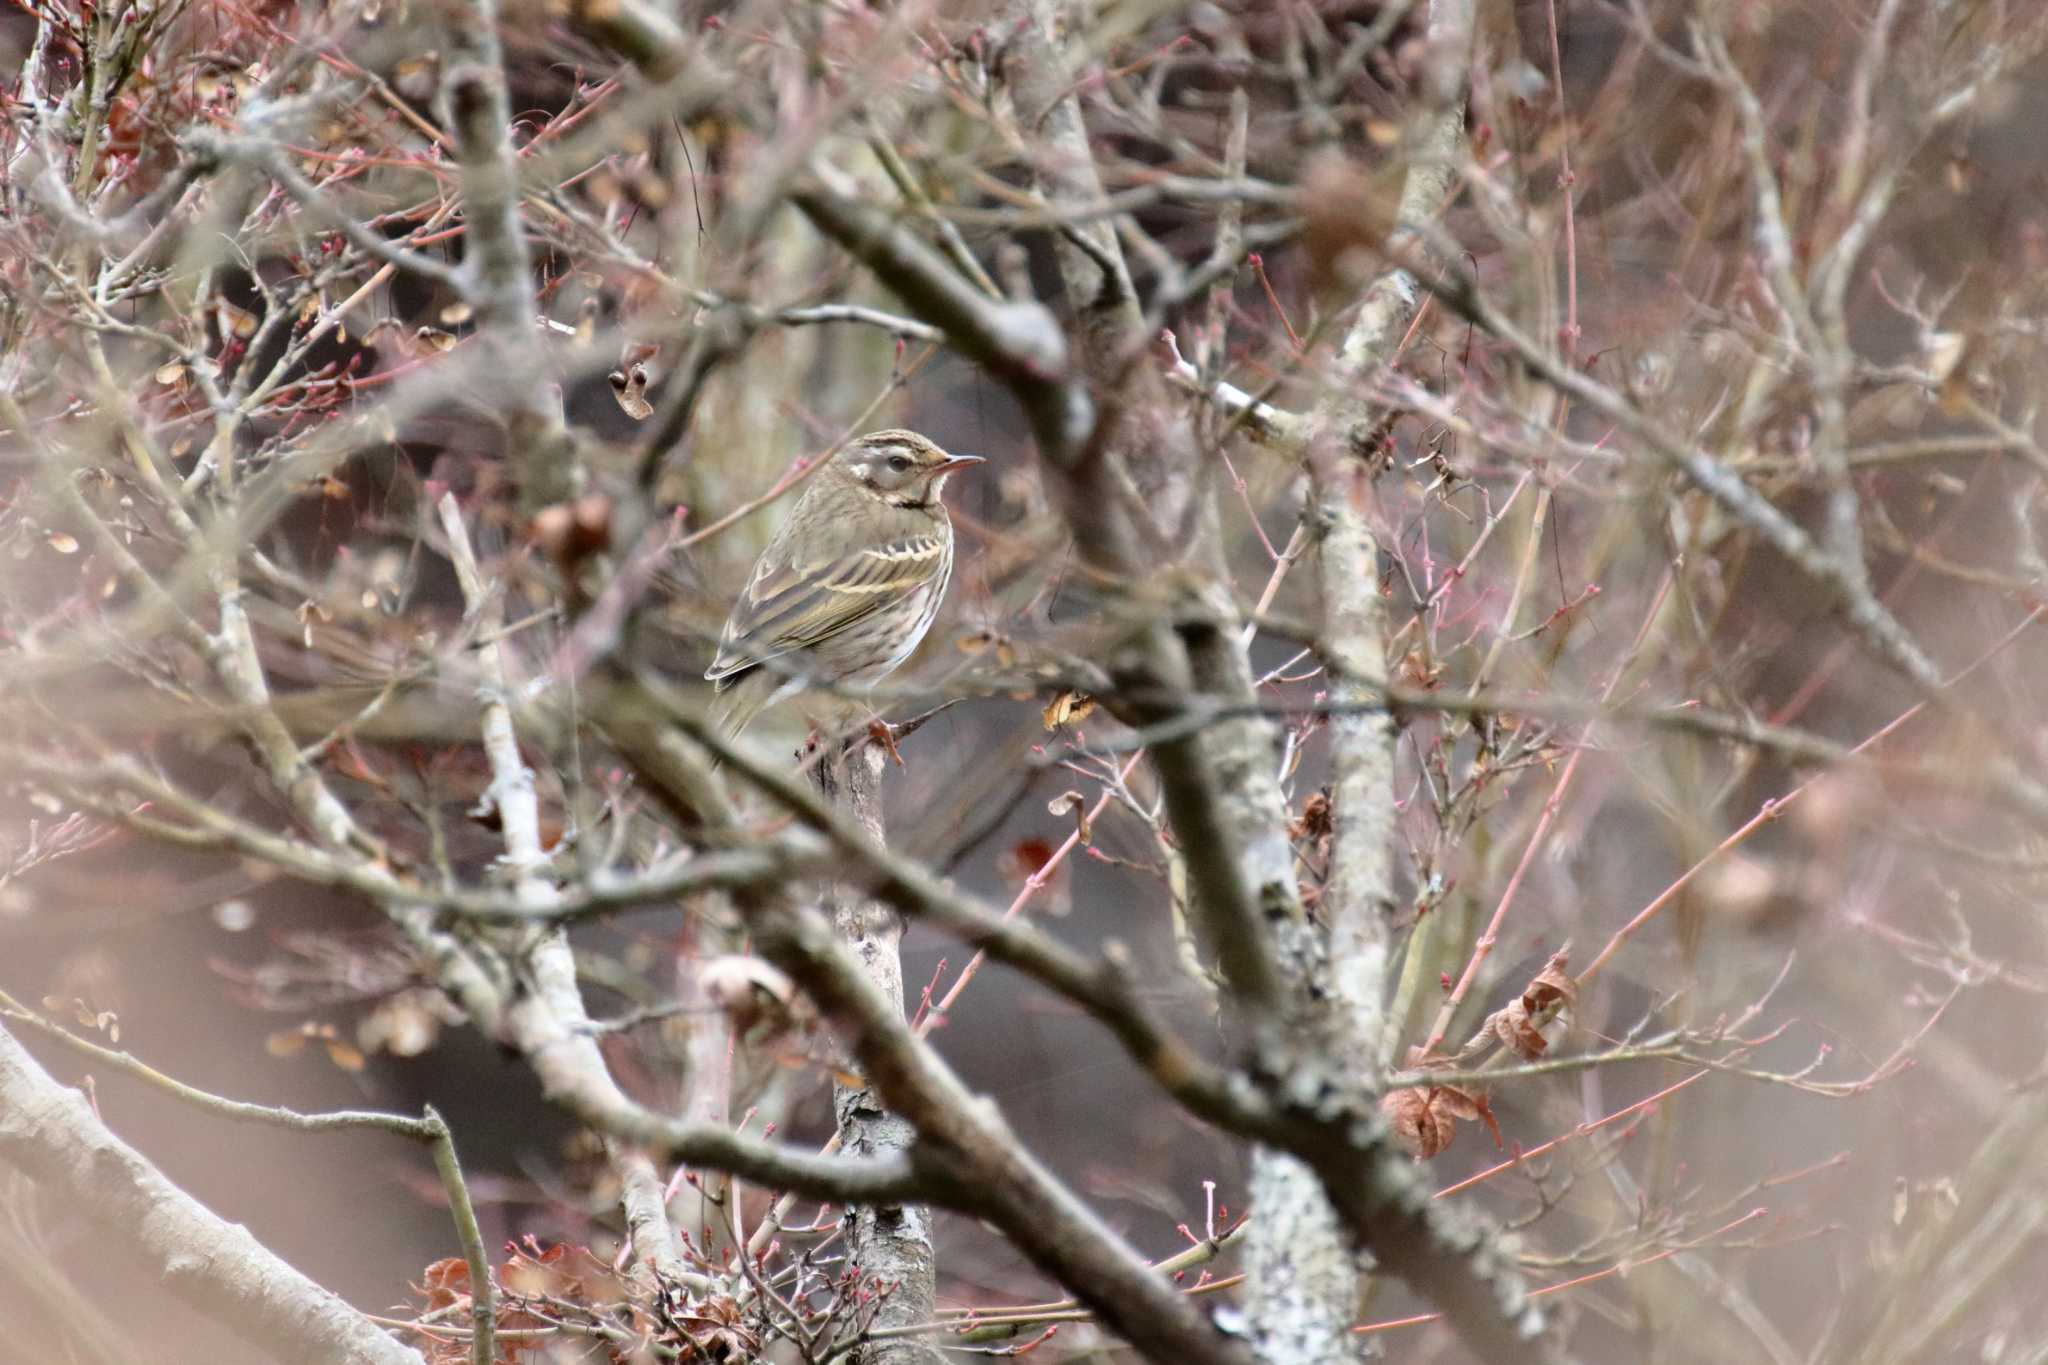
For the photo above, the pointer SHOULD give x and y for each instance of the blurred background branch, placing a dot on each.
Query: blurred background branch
(1478, 756)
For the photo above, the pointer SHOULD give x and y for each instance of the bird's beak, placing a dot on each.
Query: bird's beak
(957, 462)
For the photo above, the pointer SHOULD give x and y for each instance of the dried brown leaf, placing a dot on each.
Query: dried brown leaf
(1068, 708)
(629, 386)
(1458, 1103)
(1552, 989)
(284, 1042)
(1072, 802)
(444, 1284)
(1419, 1123)
(1518, 1032)
(1316, 821)
(343, 1055)
(429, 341)
(1550, 995)
(235, 322)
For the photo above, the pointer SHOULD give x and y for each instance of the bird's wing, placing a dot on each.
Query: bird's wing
(789, 606)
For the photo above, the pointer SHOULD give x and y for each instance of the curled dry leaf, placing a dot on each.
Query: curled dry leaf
(1425, 1117)
(235, 322)
(1316, 820)
(629, 386)
(1420, 1123)
(425, 341)
(1549, 997)
(569, 1276)
(444, 1284)
(1068, 708)
(1516, 1032)
(715, 1327)
(1076, 804)
(1552, 991)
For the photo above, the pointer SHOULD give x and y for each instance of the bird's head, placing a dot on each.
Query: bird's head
(900, 467)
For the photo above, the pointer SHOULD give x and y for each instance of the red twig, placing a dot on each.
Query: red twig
(1582, 1130)
(1484, 946)
(1258, 264)
(1771, 809)
(1618, 1268)
(1032, 886)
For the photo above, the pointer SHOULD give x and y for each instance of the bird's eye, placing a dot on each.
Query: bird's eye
(899, 463)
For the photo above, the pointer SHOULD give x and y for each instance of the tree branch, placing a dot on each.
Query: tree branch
(500, 281)
(51, 1133)
(967, 1153)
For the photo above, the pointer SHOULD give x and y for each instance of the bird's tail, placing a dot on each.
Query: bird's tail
(737, 706)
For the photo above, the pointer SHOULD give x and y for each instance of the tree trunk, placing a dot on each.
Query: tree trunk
(891, 1244)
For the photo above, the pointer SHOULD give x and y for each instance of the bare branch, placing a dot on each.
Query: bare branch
(52, 1134)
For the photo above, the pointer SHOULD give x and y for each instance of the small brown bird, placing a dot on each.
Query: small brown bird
(849, 584)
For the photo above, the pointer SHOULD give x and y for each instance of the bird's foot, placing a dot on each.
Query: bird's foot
(884, 734)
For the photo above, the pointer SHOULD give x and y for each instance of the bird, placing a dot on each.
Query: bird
(850, 582)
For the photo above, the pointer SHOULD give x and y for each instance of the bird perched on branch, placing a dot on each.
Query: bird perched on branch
(849, 584)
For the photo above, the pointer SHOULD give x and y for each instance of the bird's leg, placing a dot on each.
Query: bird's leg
(887, 733)
(884, 734)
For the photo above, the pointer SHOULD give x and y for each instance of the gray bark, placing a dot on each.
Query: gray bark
(1222, 799)
(1303, 1273)
(890, 1242)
